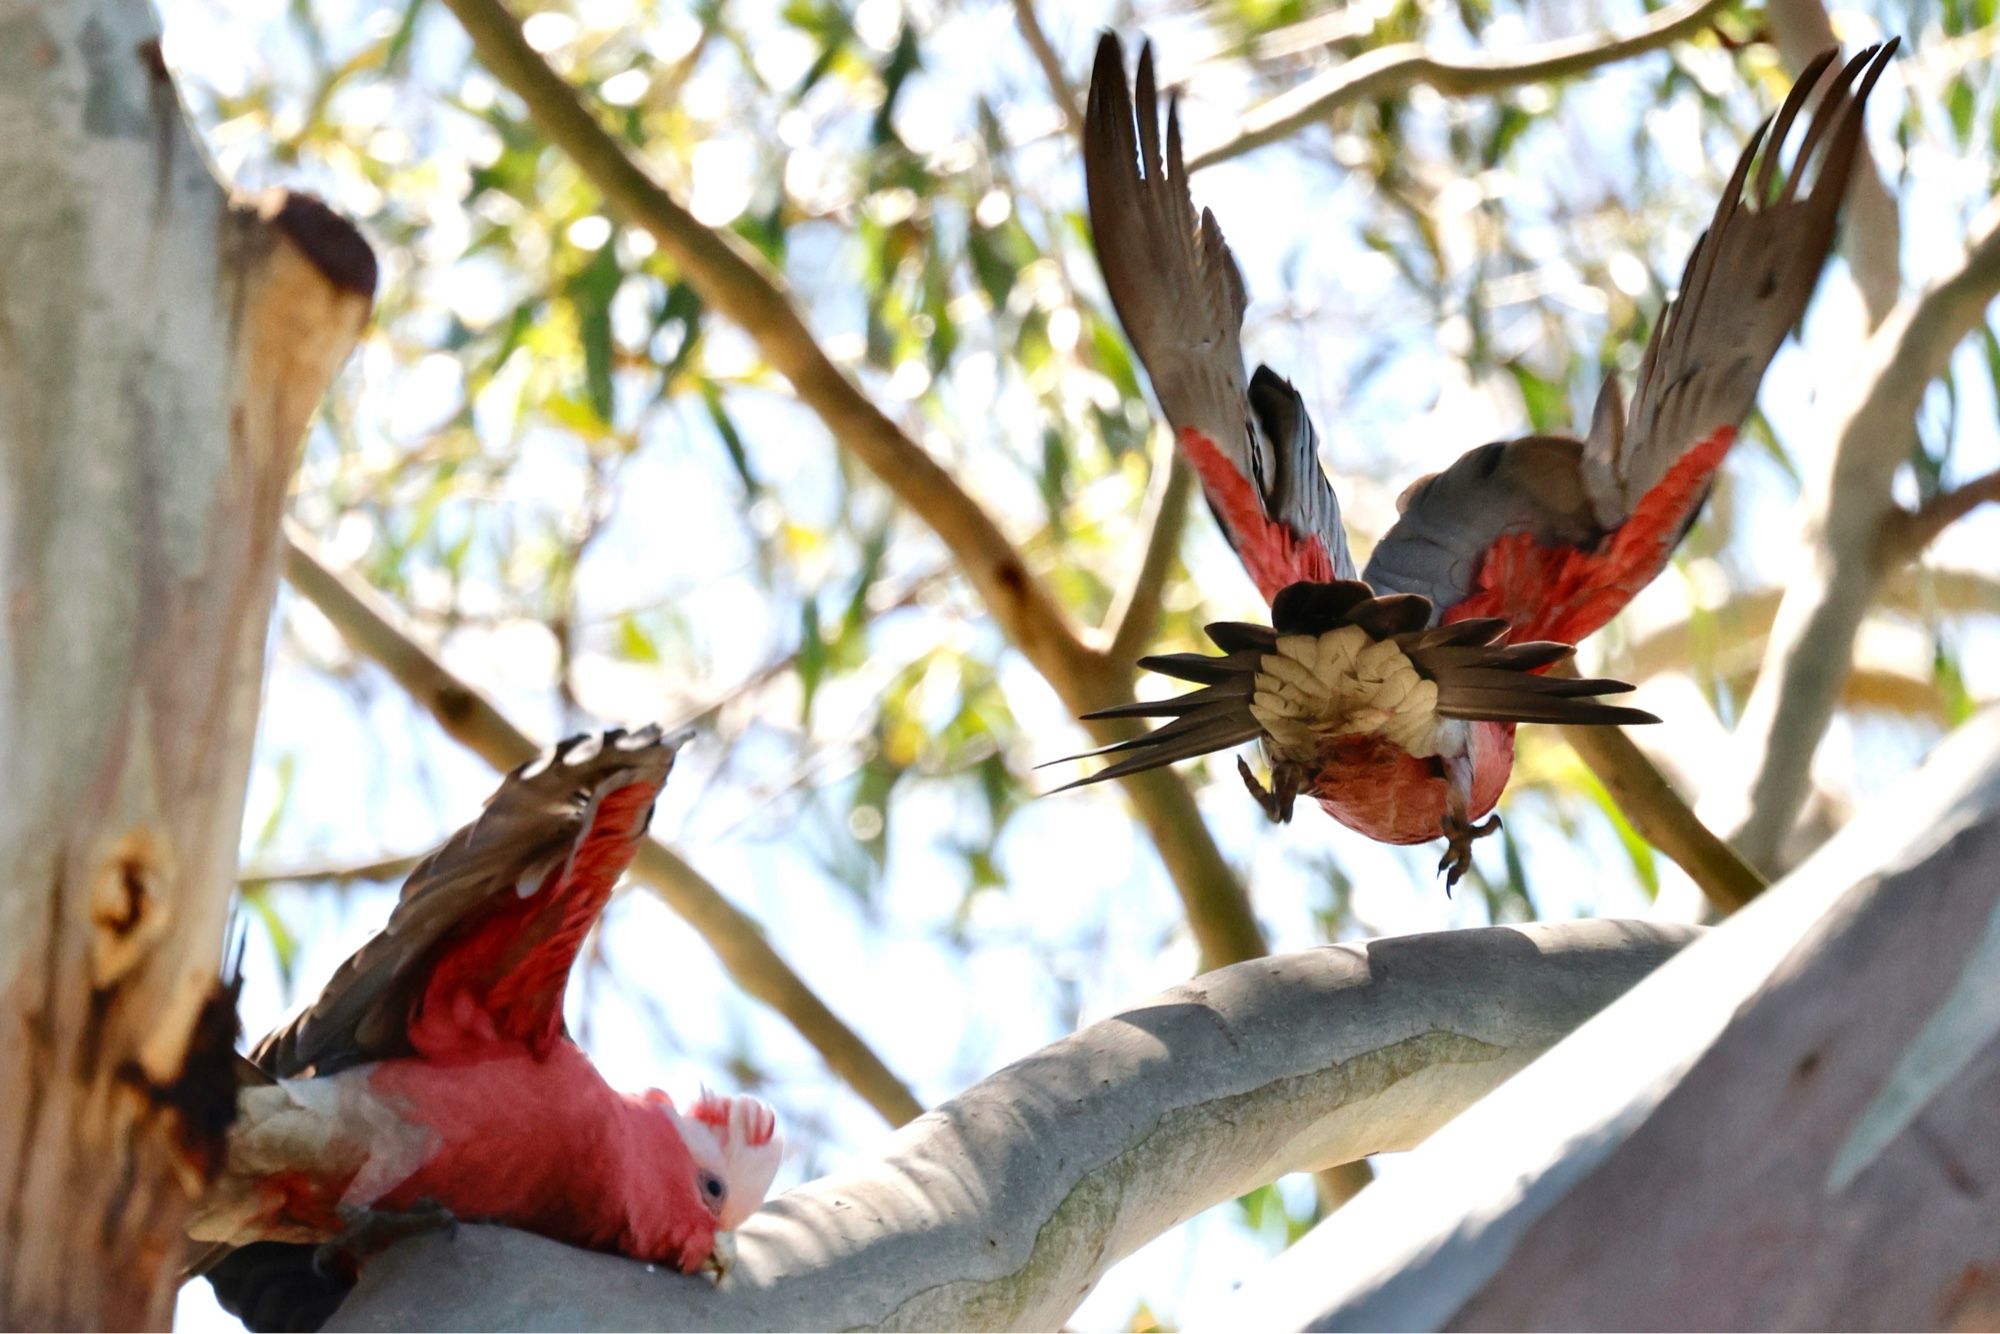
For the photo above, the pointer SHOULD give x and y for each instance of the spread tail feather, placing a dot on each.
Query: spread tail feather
(1477, 674)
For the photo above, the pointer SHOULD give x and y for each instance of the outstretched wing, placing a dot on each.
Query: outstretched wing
(1556, 535)
(482, 940)
(1180, 297)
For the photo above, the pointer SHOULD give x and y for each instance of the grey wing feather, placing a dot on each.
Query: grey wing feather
(530, 827)
(1180, 296)
(1746, 284)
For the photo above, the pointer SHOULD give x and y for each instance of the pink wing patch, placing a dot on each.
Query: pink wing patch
(1271, 552)
(1565, 593)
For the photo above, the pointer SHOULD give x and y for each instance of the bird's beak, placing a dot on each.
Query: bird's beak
(721, 1259)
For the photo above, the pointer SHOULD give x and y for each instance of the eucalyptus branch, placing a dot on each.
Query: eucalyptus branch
(1394, 69)
(368, 624)
(1045, 55)
(343, 873)
(1913, 530)
(1002, 1208)
(1652, 807)
(1136, 612)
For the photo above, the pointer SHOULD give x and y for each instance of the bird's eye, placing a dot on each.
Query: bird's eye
(712, 1191)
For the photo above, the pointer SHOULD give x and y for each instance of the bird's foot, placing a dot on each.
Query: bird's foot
(721, 1259)
(366, 1232)
(1459, 834)
(1276, 800)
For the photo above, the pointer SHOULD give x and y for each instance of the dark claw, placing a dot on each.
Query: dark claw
(1459, 835)
(1278, 799)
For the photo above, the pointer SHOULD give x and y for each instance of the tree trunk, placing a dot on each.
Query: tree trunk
(1791, 1126)
(161, 350)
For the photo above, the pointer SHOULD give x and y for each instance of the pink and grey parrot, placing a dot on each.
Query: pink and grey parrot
(433, 1078)
(1390, 695)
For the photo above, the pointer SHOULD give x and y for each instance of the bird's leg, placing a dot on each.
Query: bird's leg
(1459, 831)
(721, 1259)
(1278, 799)
(366, 1232)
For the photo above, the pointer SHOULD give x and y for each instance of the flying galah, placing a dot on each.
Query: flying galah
(1390, 695)
(433, 1078)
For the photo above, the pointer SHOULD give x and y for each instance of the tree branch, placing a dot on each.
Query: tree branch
(1656, 811)
(1911, 531)
(1850, 518)
(367, 623)
(1002, 1208)
(1392, 69)
(382, 868)
(734, 280)
(1045, 55)
(1820, 1069)
(1135, 614)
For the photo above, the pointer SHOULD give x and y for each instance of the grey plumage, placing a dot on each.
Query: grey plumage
(1180, 296)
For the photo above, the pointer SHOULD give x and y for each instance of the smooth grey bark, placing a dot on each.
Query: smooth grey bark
(1790, 1126)
(1002, 1208)
(161, 350)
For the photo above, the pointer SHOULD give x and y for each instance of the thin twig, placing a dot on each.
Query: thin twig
(1136, 611)
(1849, 513)
(1392, 69)
(734, 280)
(345, 873)
(1649, 802)
(1045, 55)
(1911, 531)
(368, 624)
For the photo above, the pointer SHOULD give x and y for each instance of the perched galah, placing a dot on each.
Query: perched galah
(433, 1077)
(1390, 696)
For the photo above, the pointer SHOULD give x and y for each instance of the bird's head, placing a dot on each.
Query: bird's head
(736, 1148)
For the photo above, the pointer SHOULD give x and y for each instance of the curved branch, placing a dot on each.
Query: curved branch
(1656, 811)
(1392, 69)
(733, 279)
(1136, 613)
(381, 868)
(1912, 531)
(1045, 55)
(1851, 521)
(1003, 1208)
(367, 623)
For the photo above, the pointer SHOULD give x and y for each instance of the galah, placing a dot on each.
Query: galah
(1390, 695)
(434, 1079)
